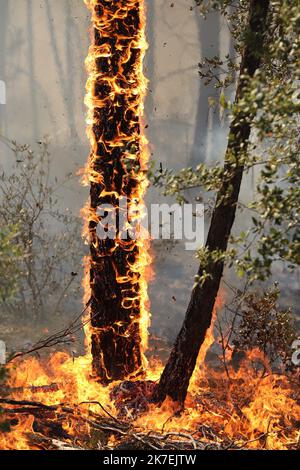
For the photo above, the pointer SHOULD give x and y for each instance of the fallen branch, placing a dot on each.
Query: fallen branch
(5, 391)
(50, 431)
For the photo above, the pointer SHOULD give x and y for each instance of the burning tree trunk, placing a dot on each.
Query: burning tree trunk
(177, 373)
(115, 93)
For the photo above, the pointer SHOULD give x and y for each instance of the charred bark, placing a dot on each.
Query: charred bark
(115, 303)
(175, 378)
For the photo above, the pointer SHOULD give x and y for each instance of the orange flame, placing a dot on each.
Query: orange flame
(262, 410)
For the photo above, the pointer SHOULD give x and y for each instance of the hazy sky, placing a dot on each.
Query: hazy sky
(43, 45)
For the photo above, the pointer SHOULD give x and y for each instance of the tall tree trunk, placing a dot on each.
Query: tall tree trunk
(115, 93)
(175, 378)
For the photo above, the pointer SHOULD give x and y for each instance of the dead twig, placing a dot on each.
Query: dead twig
(101, 406)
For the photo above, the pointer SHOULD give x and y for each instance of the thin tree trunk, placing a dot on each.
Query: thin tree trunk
(175, 378)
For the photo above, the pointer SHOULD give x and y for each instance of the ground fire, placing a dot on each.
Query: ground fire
(103, 400)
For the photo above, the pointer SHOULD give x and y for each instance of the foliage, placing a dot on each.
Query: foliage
(29, 196)
(271, 104)
(10, 255)
(264, 326)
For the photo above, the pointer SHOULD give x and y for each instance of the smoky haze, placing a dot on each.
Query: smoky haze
(43, 45)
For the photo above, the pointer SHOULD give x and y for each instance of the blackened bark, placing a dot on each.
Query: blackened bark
(175, 378)
(115, 303)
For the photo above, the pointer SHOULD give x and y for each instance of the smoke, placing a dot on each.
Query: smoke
(42, 50)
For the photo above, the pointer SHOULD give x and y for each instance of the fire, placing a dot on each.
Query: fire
(116, 170)
(17, 440)
(259, 409)
(232, 408)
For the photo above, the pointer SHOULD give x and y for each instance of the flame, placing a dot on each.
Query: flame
(239, 405)
(116, 90)
(260, 409)
(17, 440)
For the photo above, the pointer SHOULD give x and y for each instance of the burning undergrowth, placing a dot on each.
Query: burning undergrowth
(54, 403)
